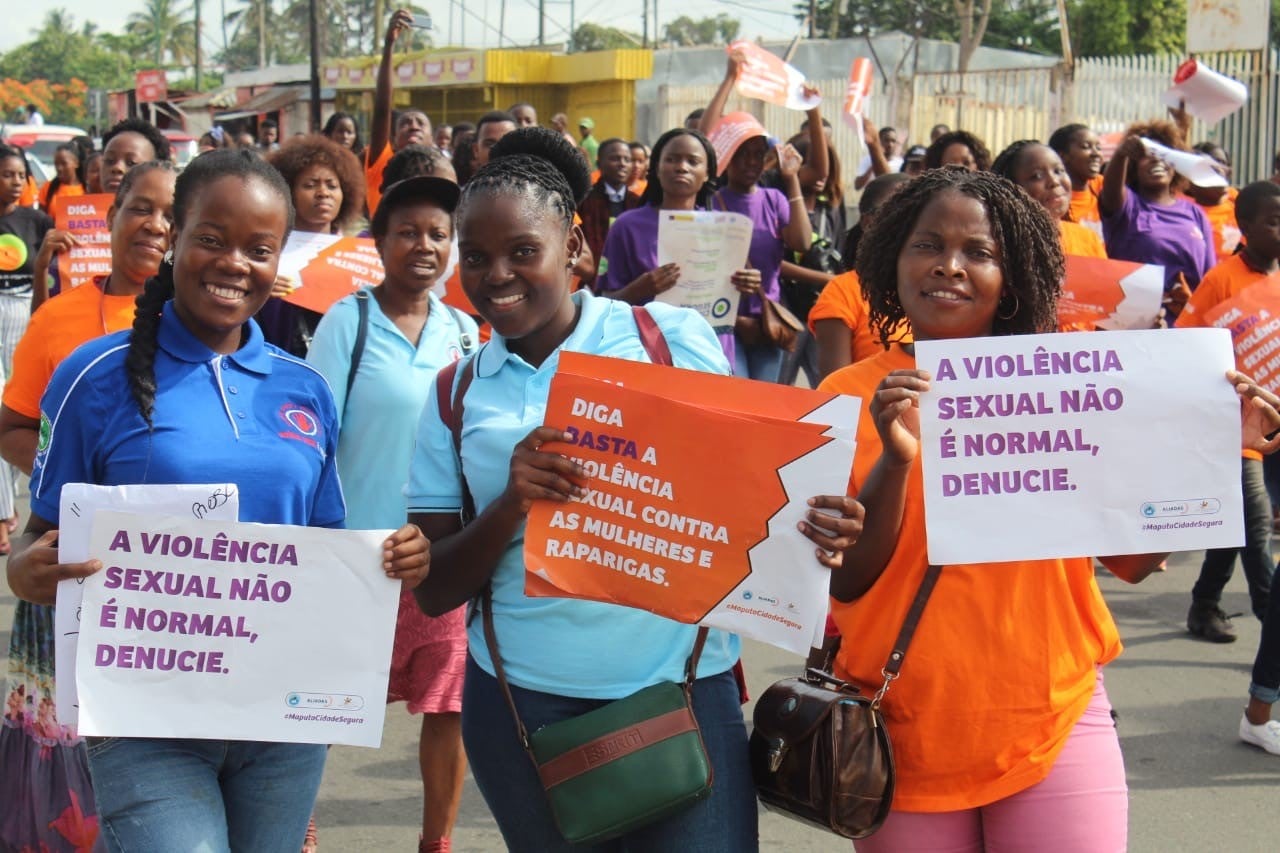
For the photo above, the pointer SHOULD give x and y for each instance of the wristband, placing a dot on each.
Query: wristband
(796, 198)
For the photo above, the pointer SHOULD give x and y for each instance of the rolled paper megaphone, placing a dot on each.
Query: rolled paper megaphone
(858, 92)
(1208, 95)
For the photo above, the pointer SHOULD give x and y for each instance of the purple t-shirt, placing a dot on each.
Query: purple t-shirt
(1176, 236)
(769, 212)
(630, 251)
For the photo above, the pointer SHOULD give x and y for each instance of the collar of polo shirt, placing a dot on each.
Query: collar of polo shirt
(175, 339)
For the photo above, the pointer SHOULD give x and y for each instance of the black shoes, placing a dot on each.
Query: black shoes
(1206, 620)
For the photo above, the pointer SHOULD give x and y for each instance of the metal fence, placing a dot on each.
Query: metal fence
(1002, 106)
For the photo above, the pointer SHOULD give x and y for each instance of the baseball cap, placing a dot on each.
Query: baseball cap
(730, 132)
(441, 191)
(586, 122)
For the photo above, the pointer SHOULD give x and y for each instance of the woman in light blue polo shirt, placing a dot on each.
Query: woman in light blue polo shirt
(193, 394)
(380, 350)
(562, 657)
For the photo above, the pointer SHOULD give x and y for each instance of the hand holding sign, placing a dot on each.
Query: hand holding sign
(765, 77)
(895, 408)
(36, 571)
(1259, 414)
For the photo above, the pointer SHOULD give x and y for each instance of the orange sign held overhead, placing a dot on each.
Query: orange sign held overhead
(857, 93)
(768, 78)
(85, 217)
(669, 527)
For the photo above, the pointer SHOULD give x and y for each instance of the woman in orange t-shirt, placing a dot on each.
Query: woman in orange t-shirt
(1001, 728)
(1081, 154)
(66, 182)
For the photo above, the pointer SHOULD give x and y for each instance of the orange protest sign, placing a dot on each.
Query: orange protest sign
(85, 217)
(667, 526)
(766, 77)
(857, 93)
(1110, 294)
(1253, 318)
(337, 271)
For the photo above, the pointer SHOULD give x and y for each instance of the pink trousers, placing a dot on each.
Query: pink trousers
(1082, 806)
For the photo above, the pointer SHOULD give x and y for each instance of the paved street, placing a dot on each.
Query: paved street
(1194, 786)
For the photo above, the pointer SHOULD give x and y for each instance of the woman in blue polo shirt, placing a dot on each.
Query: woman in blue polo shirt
(380, 350)
(562, 657)
(193, 394)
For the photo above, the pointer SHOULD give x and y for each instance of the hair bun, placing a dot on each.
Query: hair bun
(553, 147)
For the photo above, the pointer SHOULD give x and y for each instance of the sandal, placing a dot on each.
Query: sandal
(311, 841)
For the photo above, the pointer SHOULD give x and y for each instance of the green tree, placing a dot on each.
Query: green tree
(685, 31)
(1029, 26)
(167, 27)
(59, 53)
(591, 36)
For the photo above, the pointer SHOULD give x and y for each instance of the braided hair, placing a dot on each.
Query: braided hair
(978, 148)
(653, 191)
(1006, 162)
(1030, 249)
(140, 361)
(537, 163)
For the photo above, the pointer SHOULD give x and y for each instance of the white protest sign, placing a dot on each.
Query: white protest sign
(202, 629)
(1044, 446)
(1206, 94)
(709, 248)
(1199, 169)
(78, 504)
(301, 249)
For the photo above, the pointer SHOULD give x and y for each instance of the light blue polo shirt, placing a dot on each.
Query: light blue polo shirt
(258, 418)
(375, 442)
(559, 645)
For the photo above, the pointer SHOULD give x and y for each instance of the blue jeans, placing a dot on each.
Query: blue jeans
(725, 822)
(1255, 556)
(804, 357)
(757, 362)
(204, 796)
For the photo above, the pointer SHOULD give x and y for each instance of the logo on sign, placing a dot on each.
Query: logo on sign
(720, 308)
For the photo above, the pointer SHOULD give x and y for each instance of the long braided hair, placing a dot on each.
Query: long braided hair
(140, 361)
(1030, 250)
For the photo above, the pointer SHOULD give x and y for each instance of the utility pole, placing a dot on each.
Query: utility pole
(315, 67)
(542, 14)
(645, 24)
(262, 33)
(813, 18)
(198, 63)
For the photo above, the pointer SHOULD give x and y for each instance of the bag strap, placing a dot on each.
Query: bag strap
(362, 334)
(651, 337)
(491, 642)
(449, 403)
(893, 666)
(465, 341)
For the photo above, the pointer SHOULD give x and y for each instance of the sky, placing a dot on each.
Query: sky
(771, 18)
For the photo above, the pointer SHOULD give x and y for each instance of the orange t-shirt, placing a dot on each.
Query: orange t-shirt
(59, 326)
(1003, 663)
(1078, 239)
(842, 300)
(65, 191)
(30, 193)
(1222, 218)
(373, 177)
(1228, 278)
(1084, 206)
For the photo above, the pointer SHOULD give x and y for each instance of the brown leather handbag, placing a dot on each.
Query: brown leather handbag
(820, 751)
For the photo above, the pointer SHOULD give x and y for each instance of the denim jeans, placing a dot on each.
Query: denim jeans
(725, 822)
(803, 357)
(204, 796)
(1218, 563)
(757, 362)
(1265, 686)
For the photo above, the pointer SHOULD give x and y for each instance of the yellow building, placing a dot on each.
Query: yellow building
(454, 86)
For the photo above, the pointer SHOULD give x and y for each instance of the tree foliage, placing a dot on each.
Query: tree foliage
(168, 29)
(61, 52)
(591, 36)
(685, 31)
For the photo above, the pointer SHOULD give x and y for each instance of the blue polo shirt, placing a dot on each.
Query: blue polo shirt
(375, 442)
(559, 645)
(258, 418)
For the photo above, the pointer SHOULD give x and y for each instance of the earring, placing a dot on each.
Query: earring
(168, 257)
(1016, 305)
(573, 262)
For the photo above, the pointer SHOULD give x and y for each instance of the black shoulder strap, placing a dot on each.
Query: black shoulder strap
(362, 334)
(450, 405)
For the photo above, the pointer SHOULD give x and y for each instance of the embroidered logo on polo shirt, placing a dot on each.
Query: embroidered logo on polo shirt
(46, 431)
(301, 424)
